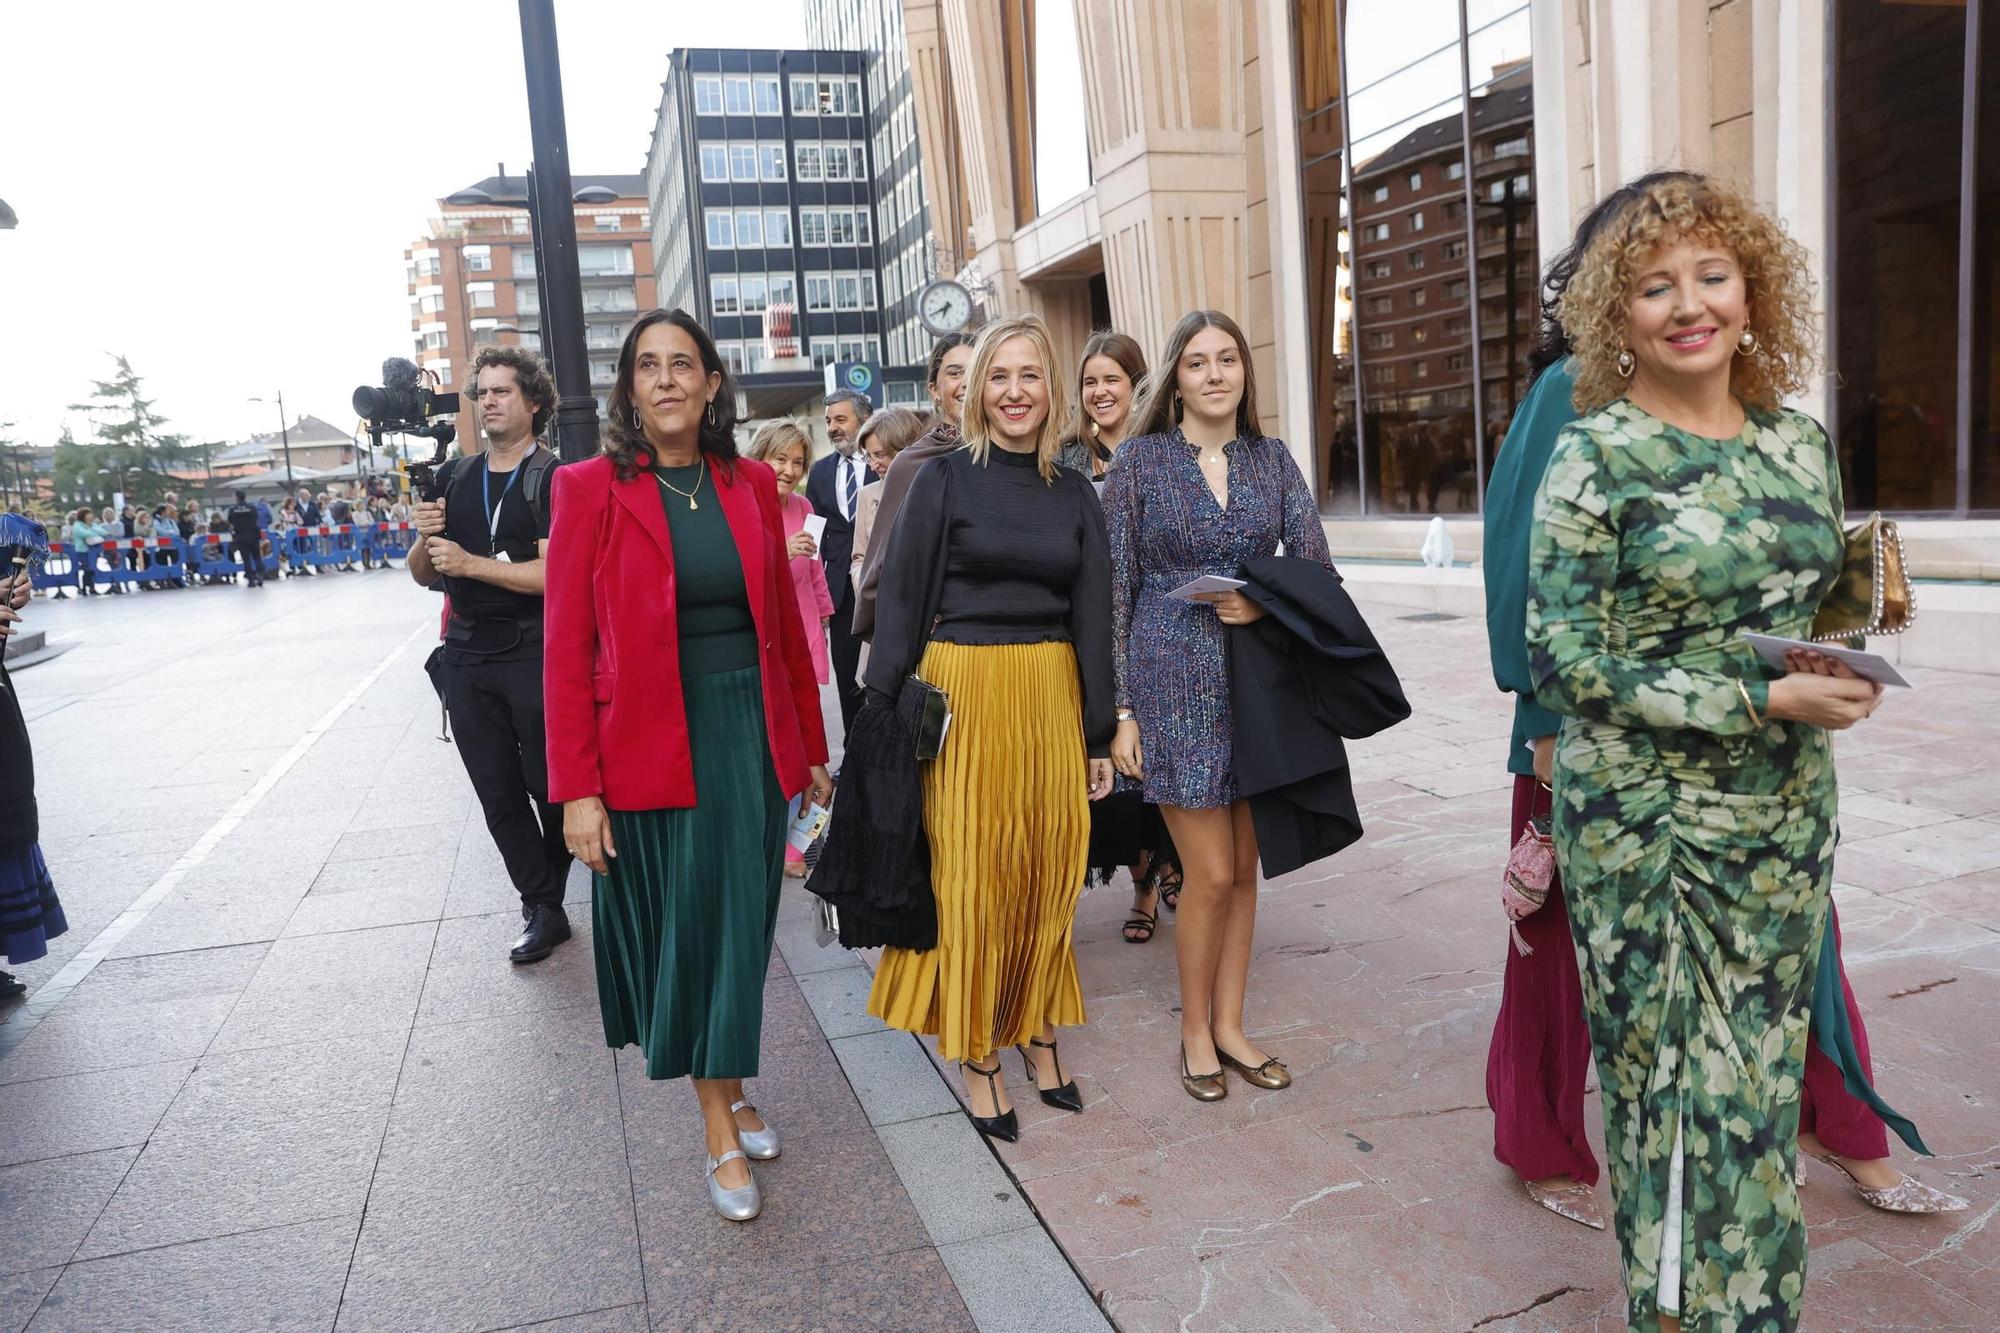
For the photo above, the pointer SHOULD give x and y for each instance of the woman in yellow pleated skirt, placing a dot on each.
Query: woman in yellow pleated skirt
(996, 590)
(1007, 862)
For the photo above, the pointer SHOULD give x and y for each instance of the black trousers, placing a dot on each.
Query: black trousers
(844, 652)
(253, 560)
(496, 718)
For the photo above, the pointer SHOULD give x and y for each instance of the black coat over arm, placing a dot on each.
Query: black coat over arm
(1300, 679)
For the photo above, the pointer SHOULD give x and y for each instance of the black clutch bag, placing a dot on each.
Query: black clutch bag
(931, 707)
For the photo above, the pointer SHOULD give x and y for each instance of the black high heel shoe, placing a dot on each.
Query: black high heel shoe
(1004, 1126)
(1065, 1098)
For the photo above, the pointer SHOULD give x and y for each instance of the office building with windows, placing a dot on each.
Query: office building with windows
(762, 185)
(472, 279)
(917, 245)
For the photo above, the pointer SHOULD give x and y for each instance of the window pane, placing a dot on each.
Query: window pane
(721, 229)
(749, 229)
(722, 296)
(777, 227)
(782, 290)
(812, 226)
(836, 161)
(714, 162)
(736, 96)
(1417, 443)
(805, 161)
(1986, 281)
(708, 97)
(771, 161)
(767, 97)
(754, 292)
(743, 161)
(805, 98)
(1900, 80)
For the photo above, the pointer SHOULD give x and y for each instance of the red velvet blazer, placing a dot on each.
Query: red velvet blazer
(611, 673)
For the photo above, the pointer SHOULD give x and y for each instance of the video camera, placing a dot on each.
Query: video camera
(404, 404)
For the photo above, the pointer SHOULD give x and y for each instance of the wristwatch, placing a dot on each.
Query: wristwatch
(1127, 715)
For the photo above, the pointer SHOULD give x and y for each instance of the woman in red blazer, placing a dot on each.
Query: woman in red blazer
(683, 715)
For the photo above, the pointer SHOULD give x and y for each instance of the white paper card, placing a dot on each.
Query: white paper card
(1205, 586)
(815, 527)
(809, 825)
(1869, 666)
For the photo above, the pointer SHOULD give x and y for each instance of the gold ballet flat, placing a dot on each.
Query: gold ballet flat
(1203, 1087)
(1271, 1074)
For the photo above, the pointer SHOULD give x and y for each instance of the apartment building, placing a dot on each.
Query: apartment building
(473, 278)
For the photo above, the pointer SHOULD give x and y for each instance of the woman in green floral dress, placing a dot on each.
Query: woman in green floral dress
(1695, 795)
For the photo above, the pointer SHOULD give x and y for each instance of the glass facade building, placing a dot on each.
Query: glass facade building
(764, 192)
(903, 217)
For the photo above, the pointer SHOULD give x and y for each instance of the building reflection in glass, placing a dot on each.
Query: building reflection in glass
(1432, 289)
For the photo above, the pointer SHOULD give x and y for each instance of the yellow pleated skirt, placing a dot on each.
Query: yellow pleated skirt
(1007, 812)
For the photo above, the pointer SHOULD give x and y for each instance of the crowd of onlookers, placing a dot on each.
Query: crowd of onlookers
(83, 532)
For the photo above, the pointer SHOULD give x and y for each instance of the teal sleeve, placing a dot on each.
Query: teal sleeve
(1510, 507)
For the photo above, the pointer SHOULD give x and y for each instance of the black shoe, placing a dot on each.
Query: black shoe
(10, 988)
(1067, 1097)
(1005, 1127)
(547, 927)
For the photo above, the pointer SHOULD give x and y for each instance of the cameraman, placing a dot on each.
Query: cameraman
(486, 539)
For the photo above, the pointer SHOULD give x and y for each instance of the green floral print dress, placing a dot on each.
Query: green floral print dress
(1695, 840)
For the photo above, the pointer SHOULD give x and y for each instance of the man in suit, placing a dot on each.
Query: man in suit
(833, 486)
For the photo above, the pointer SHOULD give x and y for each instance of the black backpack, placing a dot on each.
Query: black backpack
(541, 460)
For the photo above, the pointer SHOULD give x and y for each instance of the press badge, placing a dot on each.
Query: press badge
(503, 557)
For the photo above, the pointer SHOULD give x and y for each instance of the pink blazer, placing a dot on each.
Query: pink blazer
(809, 581)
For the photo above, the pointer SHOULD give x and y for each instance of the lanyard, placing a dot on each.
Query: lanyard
(486, 501)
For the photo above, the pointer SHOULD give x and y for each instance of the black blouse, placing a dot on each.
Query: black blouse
(1026, 561)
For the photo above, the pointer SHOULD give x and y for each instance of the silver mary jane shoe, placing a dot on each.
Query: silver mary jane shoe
(760, 1144)
(738, 1205)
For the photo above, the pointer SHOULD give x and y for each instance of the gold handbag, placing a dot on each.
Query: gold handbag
(1873, 593)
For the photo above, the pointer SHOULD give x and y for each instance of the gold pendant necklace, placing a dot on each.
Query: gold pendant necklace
(687, 495)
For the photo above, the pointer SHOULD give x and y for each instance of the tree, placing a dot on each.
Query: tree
(132, 453)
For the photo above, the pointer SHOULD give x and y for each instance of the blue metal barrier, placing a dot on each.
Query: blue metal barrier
(59, 571)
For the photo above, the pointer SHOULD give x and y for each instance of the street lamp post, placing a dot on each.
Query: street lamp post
(555, 216)
(284, 435)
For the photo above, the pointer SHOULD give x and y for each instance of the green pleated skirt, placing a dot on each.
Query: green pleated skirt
(685, 919)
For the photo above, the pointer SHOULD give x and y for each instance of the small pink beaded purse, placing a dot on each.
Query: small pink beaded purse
(1531, 873)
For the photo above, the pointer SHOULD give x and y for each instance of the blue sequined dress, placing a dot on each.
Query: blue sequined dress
(1166, 528)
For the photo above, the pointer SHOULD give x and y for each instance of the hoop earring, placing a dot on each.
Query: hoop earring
(637, 424)
(1747, 344)
(709, 415)
(1627, 363)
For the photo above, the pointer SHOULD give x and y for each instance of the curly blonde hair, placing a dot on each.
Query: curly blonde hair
(1776, 275)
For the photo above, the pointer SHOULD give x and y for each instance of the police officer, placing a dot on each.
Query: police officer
(485, 541)
(246, 539)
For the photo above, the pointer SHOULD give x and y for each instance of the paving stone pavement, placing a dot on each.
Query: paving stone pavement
(1366, 1196)
(307, 1092)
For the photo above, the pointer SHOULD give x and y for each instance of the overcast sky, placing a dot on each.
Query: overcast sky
(222, 191)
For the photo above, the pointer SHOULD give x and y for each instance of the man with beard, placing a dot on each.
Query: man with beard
(486, 542)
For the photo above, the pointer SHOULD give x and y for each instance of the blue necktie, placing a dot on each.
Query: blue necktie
(848, 482)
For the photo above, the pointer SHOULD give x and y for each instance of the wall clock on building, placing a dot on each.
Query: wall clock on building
(944, 306)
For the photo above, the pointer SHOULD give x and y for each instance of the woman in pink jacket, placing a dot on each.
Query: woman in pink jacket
(788, 450)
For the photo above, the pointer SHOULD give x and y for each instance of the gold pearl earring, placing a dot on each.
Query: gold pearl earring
(1747, 344)
(1627, 363)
